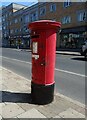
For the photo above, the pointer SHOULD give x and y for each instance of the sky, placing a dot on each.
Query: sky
(23, 2)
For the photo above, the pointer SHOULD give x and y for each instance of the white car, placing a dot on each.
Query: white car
(84, 49)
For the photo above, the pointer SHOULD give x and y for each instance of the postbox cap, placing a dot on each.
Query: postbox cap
(44, 24)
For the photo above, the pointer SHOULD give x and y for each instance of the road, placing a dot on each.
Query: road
(69, 71)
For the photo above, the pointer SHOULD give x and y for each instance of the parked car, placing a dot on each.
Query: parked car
(84, 49)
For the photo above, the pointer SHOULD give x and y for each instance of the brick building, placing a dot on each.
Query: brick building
(11, 23)
(72, 15)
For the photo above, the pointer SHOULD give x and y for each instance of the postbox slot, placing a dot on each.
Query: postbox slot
(34, 36)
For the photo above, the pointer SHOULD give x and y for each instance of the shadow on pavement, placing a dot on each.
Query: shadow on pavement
(15, 97)
(79, 58)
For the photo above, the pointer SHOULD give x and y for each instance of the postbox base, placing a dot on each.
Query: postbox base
(42, 94)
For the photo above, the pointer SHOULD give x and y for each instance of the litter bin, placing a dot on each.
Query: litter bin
(43, 36)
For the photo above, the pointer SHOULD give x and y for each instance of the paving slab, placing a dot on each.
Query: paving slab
(27, 106)
(71, 113)
(1, 106)
(11, 110)
(33, 113)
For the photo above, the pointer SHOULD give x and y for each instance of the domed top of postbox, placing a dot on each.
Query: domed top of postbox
(44, 24)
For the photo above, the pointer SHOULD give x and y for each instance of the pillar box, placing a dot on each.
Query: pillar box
(43, 36)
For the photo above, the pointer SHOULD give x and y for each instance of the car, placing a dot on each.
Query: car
(84, 49)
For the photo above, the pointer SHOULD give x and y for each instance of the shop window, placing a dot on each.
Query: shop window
(43, 11)
(82, 16)
(53, 7)
(66, 20)
(71, 40)
(67, 3)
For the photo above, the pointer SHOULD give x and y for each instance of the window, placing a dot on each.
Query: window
(16, 30)
(25, 29)
(4, 27)
(20, 19)
(10, 22)
(81, 0)
(53, 7)
(34, 16)
(26, 19)
(6, 15)
(43, 11)
(53, 19)
(82, 16)
(66, 20)
(16, 20)
(11, 31)
(20, 29)
(3, 18)
(67, 3)
(0, 19)
(7, 23)
(10, 13)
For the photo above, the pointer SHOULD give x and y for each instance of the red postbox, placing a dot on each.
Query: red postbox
(43, 36)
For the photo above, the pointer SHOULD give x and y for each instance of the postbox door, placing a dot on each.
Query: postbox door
(38, 59)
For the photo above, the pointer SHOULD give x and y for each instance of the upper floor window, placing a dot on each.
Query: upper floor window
(10, 13)
(20, 29)
(20, 19)
(16, 30)
(16, 20)
(10, 22)
(42, 11)
(6, 15)
(26, 18)
(53, 7)
(25, 29)
(4, 27)
(3, 18)
(53, 19)
(66, 20)
(82, 16)
(81, 0)
(67, 3)
(0, 19)
(34, 16)
(11, 31)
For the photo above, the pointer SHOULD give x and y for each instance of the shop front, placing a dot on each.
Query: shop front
(21, 41)
(73, 38)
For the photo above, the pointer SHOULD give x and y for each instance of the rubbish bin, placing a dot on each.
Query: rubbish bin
(43, 36)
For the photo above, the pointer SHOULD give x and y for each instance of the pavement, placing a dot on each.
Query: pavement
(16, 101)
